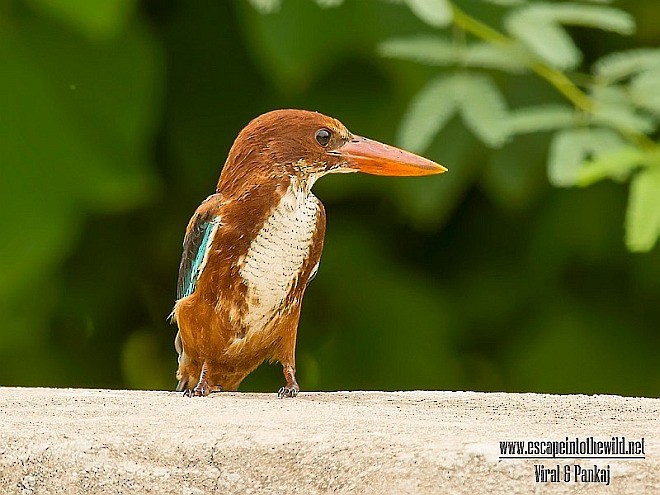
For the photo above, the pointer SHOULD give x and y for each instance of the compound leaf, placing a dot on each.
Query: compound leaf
(428, 112)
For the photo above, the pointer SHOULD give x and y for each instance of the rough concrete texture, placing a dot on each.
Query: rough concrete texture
(110, 441)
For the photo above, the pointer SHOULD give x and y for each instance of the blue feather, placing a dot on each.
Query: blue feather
(199, 245)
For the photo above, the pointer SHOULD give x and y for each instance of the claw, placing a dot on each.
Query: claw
(201, 390)
(287, 392)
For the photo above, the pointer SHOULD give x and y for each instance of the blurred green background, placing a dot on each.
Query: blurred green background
(116, 117)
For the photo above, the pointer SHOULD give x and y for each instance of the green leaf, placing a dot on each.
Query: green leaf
(616, 166)
(431, 50)
(611, 94)
(428, 112)
(541, 118)
(645, 90)
(437, 51)
(545, 38)
(483, 108)
(538, 26)
(487, 56)
(566, 154)
(615, 108)
(571, 147)
(622, 117)
(100, 19)
(619, 65)
(266, 6)
(595, 16)
(329, 3)
(436, 13)
(505, 3)
(643, 213)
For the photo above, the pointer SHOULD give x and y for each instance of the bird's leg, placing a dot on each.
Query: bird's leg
(291, 388)
(202, 389)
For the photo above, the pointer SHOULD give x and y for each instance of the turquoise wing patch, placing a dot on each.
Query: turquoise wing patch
(196, 246)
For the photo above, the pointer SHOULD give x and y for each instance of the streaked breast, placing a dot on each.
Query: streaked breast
(276, 256)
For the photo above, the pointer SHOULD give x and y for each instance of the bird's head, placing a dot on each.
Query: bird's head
(309, 144)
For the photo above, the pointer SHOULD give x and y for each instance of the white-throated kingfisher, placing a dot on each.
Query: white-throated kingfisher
(251, 248)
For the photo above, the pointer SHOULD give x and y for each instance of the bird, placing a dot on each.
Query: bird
(251, 248)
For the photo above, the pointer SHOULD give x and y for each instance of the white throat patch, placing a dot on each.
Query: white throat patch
(277, 254)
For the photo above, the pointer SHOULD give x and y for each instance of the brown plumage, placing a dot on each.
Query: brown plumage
(252, 247)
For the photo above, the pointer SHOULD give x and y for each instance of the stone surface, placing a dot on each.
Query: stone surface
(111, 441)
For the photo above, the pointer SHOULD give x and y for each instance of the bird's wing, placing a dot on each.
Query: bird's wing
(196, 245)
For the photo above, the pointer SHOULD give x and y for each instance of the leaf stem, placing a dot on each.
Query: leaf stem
(564, 85)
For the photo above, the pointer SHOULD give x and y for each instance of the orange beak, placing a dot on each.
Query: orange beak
(372, 157)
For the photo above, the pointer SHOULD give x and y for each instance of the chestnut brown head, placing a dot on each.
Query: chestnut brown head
(299, 142)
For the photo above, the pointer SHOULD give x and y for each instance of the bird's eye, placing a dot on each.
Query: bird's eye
(323, 137)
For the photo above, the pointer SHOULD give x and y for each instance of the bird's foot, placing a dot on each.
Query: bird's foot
(288, 391)
(203, 387)
(291, 388)
(199, 392)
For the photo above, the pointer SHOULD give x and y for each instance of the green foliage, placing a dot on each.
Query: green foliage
(544, 37)
(547, 117)
(428, 113)
(590, 135)
(615, 66)
(433, 50)
(270, 6)
(539, 26)
(616, 165)
(643, 216)
(572, 147)
(476, 97)
(436, 13)
(595, 16)
(483, 108)
(644, 91)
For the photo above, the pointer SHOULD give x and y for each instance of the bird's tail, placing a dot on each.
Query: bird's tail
(178, 345)
(182, 385)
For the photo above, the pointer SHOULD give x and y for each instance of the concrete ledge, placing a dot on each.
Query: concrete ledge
(110, 441)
